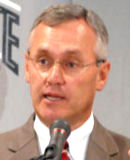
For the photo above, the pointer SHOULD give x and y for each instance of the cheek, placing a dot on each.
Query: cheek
(83, 83)
(35, 87)
(35, 78)
(83, 87)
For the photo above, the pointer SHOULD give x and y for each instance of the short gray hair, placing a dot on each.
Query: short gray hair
(57, 14)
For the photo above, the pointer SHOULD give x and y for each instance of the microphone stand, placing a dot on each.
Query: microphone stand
(50, 154)
(42, 157)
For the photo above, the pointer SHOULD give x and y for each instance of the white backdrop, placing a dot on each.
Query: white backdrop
(112, 106)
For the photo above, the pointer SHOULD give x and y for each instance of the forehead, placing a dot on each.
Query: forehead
(73, 35)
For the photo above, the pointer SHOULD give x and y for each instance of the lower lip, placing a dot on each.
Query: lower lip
(52, 101)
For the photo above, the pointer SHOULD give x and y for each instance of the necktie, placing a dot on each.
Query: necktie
(64, 154)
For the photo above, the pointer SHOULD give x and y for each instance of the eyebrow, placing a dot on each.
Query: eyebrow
(40, 51)
(73, 52)
(68, 52)
(43, 51)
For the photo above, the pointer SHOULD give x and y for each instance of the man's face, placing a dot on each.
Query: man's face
(55, 93)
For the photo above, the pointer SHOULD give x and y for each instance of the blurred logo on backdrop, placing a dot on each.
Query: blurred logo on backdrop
(9, 20)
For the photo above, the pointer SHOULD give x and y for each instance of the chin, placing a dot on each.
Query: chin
(48, 117)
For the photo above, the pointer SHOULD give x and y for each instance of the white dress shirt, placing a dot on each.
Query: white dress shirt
(78, 139)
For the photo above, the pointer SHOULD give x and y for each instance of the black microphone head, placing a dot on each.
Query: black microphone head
(61, 124)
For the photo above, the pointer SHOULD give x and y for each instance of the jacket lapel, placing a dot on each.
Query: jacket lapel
(25, 145)
(30, 150)
(101, 145)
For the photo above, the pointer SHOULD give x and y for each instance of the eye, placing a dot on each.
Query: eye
(43, 61)
(72, 64)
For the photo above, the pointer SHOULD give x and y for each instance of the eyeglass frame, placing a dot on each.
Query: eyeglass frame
(97, 62)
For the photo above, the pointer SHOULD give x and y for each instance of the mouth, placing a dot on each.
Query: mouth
(53, 97)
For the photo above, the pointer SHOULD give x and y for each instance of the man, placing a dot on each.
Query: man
(65, 64)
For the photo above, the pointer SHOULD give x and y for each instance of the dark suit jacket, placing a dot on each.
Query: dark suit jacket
(21, 144)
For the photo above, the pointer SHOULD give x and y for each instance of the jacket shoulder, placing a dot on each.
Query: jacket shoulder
(110, 142)
(7, 137)
(122, 141)
(17, 135)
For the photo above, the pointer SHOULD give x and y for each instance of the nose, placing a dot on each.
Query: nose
(56, 75)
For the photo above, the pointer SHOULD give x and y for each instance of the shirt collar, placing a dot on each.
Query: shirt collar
(83, 131)
(41, 128)
(79, 135)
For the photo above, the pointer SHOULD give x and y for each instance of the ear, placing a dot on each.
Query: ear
(26, 68)
(102, 75)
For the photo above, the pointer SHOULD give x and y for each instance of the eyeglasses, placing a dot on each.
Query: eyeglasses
(70, 66)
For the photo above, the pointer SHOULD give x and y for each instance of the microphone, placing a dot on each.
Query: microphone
(59, 131)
